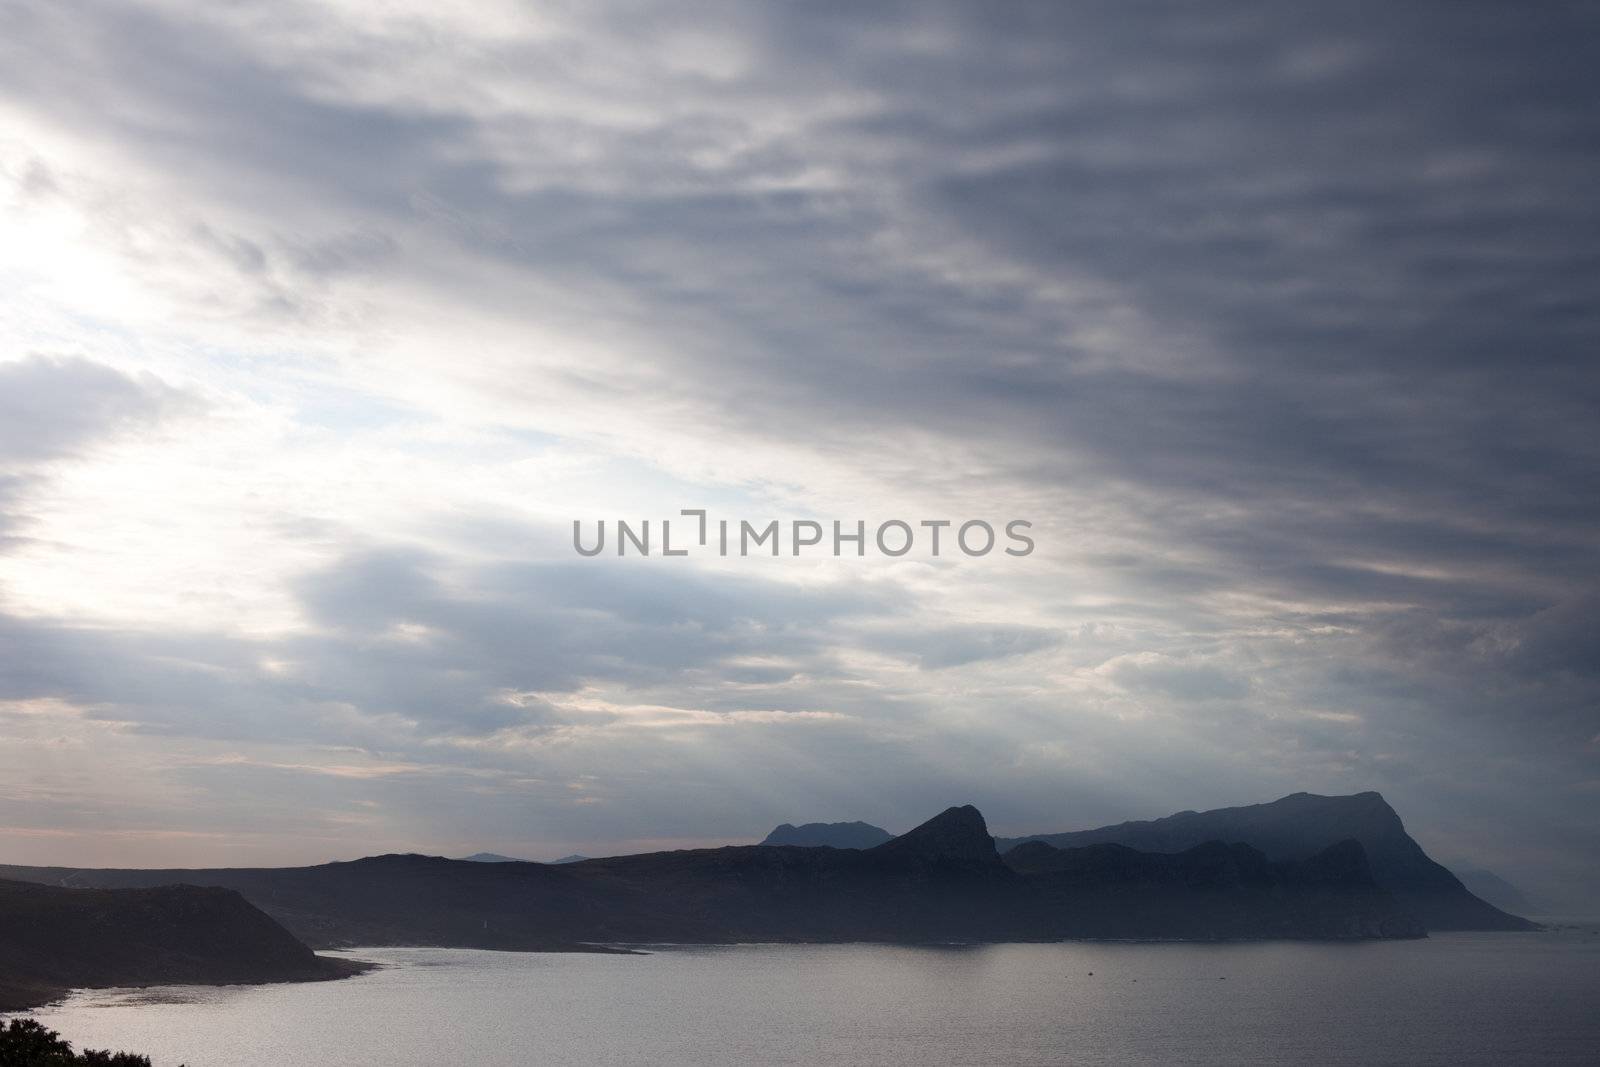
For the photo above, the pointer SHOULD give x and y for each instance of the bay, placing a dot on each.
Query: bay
(1451, 999)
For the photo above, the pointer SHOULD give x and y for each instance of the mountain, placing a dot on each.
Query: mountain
(1497, 891)
(495, 857)
(831, 834)
(386, 900)
(1213, 890)
(959, 836)
(942, 881)
(53, 939)
(1297, 827)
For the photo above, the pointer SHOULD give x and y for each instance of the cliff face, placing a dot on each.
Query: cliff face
(943, 881)
(53, 939)
(1299, 826)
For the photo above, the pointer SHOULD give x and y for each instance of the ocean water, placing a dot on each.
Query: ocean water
(1451, 1000)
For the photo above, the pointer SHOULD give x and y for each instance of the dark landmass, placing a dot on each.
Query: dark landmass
(573, 858)
(1298, 827)
(53, 939)
(1227, 891)
(943, 881)
(387, 900)
(831, 834)
(1486, 885)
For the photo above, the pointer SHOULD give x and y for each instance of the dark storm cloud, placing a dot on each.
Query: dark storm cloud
(1563, 639)
(1354, 231)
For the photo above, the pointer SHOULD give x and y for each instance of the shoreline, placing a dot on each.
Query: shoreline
(20, 995)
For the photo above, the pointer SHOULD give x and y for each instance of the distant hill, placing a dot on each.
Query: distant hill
(831, 834)
(943, 881)
(53, 939)
(495, 857)
(1497, 891)
(1299, 826)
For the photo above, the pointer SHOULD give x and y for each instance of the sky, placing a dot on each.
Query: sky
(322, 324)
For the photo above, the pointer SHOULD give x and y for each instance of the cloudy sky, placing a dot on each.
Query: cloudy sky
(321, 323)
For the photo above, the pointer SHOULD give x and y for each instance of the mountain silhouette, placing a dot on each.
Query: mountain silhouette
(1300, 825)
(1213, 890)
(956, 836)
(831, 834)
(942, 881)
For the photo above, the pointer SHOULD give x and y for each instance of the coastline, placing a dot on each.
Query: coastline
(20, 995)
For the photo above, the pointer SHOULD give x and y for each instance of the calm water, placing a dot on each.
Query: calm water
(1454, 999)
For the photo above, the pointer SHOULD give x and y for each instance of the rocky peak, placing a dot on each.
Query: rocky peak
(953, 834)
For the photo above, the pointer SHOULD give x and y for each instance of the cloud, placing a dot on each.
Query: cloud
(59, 408)
(399, 651)
(54, 407)
(1271, 318)
(957, 646)
(1185, 678)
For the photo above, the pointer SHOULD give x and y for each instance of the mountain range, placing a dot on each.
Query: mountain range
(1300, 825)
(943, 881)
(1292, 828)
(1304, 866)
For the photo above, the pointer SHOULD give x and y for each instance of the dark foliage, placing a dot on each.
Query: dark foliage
(26, 1043)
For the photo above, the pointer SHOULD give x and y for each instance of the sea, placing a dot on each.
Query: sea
(1453, 999)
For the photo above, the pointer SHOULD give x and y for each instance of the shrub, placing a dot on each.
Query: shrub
(26, 1043)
